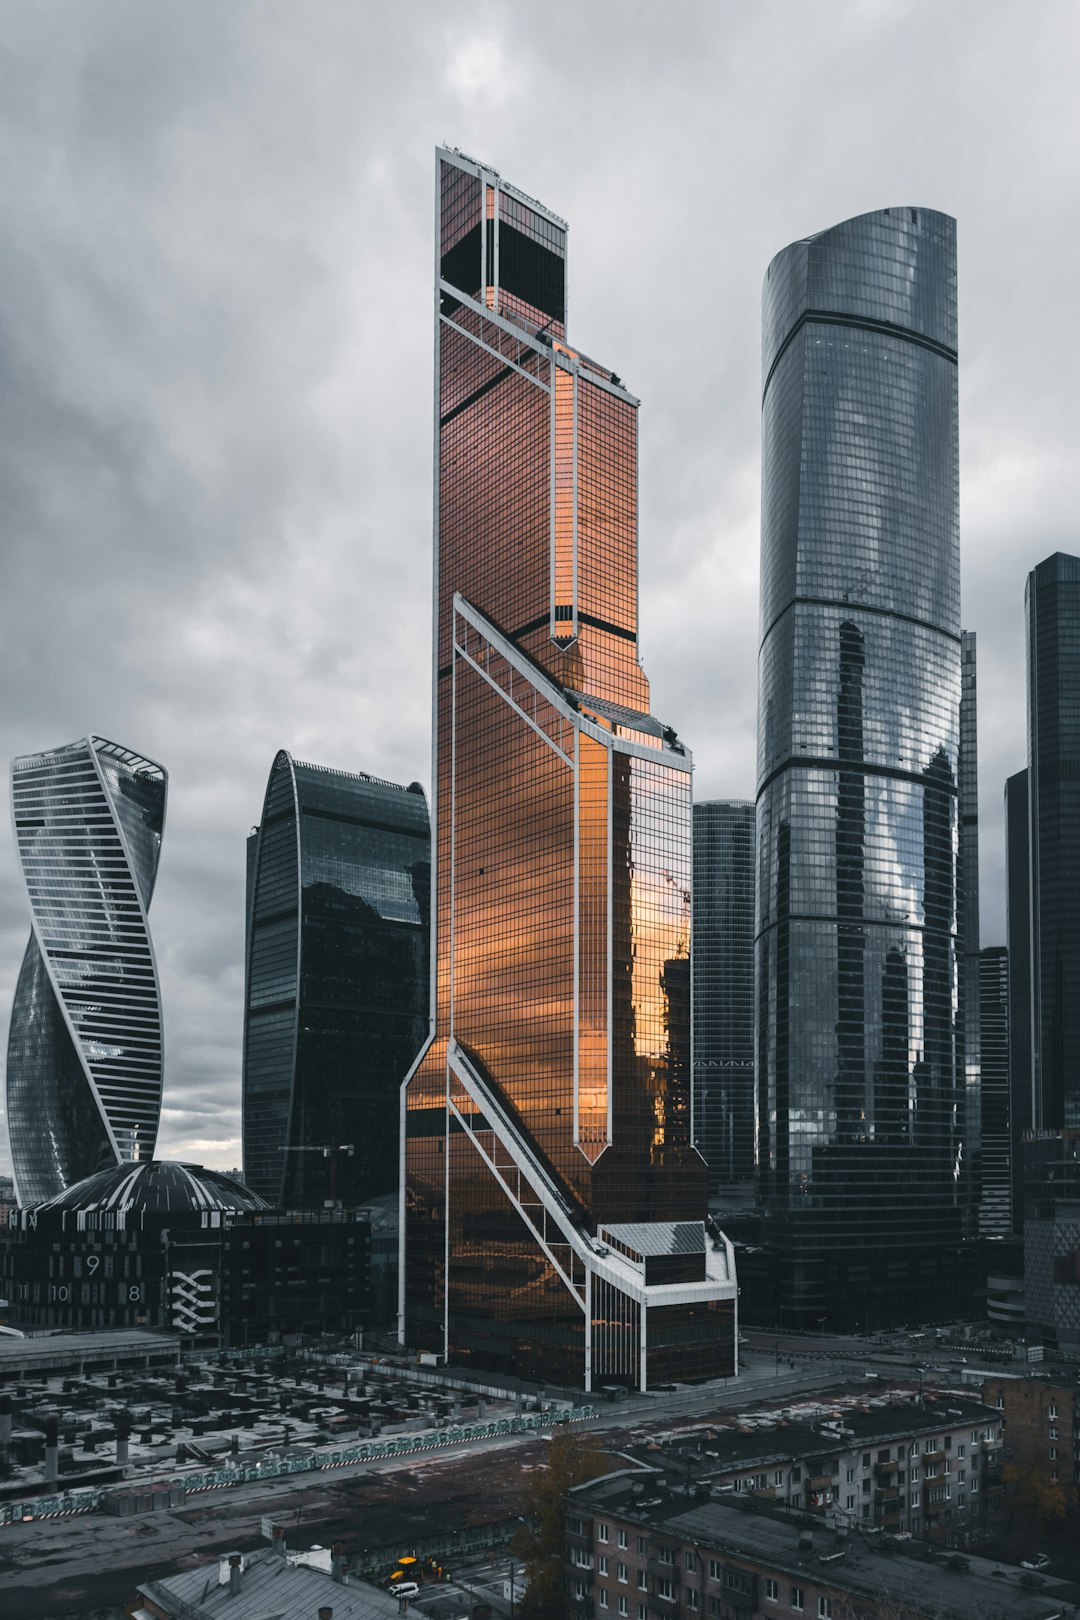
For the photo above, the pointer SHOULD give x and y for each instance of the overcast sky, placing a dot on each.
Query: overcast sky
(215, 375)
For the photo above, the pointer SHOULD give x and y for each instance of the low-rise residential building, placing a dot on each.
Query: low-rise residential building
(638, 1549)
(261, 1585)
(1041, 1434)
(900, 1461)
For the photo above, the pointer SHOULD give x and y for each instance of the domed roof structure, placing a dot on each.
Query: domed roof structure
(155, 1187)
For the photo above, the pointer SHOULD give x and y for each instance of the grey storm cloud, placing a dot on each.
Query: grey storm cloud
(215, 370)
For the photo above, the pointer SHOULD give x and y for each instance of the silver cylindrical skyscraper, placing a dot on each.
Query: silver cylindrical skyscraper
(859, 1058)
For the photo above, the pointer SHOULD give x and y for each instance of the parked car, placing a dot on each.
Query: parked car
(1036, 1561)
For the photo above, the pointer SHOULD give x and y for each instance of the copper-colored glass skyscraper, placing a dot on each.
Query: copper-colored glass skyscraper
(553, 1205)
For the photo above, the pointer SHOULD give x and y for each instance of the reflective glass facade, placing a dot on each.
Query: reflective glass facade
(1018, 937)
(863, 1139)
(84, 1064)
(337, 982)
(552, 1112)
(723, 972)
(1052, 602)
(995, 1206)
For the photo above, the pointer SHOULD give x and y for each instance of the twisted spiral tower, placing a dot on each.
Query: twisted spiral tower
(85, 1050)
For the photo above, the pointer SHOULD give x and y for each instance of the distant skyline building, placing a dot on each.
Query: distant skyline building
(336, 977)
(1018, 946)
(1052, 608)
(863, 1140)
(725, 847)
(995, 1205)
(967, 921)
(554, 1207)
(85, 1044)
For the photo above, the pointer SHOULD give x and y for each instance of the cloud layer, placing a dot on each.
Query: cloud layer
(215, 397)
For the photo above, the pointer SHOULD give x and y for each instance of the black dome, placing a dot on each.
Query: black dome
(156, 1187)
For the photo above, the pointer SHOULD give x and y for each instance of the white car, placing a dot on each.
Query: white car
(1038, 1561)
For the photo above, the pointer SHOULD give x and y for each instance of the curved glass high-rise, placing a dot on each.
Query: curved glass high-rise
(554, 1203)
(84, 1064)
(860, 1046)
(337, 981)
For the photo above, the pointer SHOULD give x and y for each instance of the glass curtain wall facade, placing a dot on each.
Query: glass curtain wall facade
(723, 973)
(1018, 938)
(967, 922)
(1052, 603)
(995, 1208)
(553, 1211)
(862, 1135)
(85, 1045)
(336, 983)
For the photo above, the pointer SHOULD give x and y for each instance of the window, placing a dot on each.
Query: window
(961, 1451)
(885, 1456)
(714, 1606)
(866, 1487)
(642, 1546)
(624, 1607)
(663, 1587)
(772, 1590)
(642, 1612)
(1054, 1474)
(621, 1538)
(849, 1502)
(642, 1580)
(974, 1483)
(947, 1442)
(866, 1459)
(1053, 1453)
(692, 1597)
(574, 1526)
(916, 1499)
(798, 1597)
(915, 1449)
(824, 1608)
(961, 1476)
(580, 1590)
(691, 1562)
(796, 1476)
(1001, 1403)
(601, 1597)
(621, 1572)
(1051, 1410)
(664, 1555)
(714, 1569)
(778, 1477)
(915, 1475)
(601, 1565)
(850, 1476)
(866, 1510)
(601, 1532)
(1053, 1434)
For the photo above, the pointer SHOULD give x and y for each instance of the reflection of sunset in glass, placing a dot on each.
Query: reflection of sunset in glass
(554, 1094)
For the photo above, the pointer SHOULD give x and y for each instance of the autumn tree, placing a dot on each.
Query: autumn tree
(541, 1544)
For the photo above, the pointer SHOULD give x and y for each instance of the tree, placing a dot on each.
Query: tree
(541, 1544)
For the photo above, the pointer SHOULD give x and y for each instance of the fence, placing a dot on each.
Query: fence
(273, 1467)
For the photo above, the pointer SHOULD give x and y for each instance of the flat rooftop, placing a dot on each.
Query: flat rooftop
(916, 1580)
(18, 1356)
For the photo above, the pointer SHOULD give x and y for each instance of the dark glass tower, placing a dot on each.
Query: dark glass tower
(1052, 602)
(862, 1136)
(1018, 936)
(995, 1209)
(337, 982)
(85, 1046)
(967, 923)
(723, 973)
(554, 1215)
